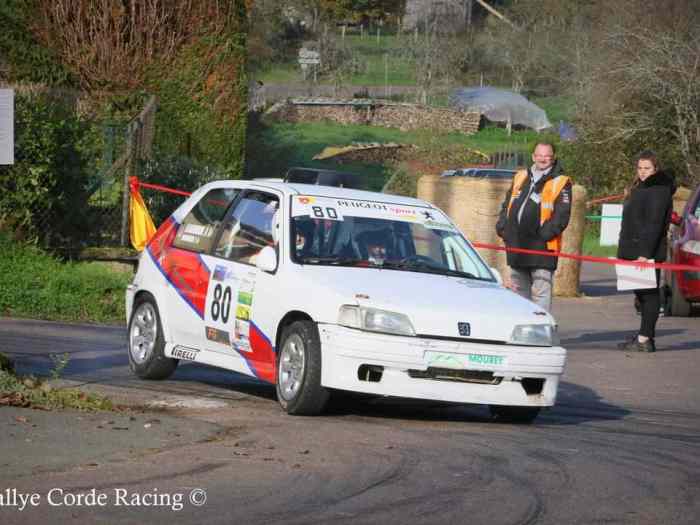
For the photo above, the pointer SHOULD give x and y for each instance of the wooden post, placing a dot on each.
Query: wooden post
(386, 75)
(131, 153)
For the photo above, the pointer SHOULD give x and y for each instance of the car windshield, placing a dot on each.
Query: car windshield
(341, 232)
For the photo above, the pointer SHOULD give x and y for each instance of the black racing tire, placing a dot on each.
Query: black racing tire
(677, 304)
(298, 374)
(146, 344)
(514, 414)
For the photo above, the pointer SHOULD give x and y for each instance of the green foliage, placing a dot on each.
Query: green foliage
(180, 173)
(26, 59)
(591, 245)
(60, 362)
(366, 67)
(34, 284)
(402, 182)
(34, 393)
(273, 148)
(44, 193)
(361, 10)
(558, 108)
(202, 107)
(605, 166)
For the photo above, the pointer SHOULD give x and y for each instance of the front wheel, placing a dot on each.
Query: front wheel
(299, 389)
(146, 342)
(511, 414)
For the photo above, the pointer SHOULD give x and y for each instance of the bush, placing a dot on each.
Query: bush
(44, 194)
(179, 173)
(21, 55)
(402, 182)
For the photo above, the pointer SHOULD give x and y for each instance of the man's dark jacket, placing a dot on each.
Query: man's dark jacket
(645, 218)
(528, 233)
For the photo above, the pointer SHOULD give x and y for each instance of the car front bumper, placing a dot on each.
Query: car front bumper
(455, 371)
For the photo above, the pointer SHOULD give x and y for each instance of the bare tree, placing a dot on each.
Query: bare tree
(638, 81)
(435, 52)
(108, 43)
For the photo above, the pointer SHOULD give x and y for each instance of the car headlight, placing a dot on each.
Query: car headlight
(375, 320)
(535, 335)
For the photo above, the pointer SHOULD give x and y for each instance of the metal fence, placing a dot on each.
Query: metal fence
(106, 216)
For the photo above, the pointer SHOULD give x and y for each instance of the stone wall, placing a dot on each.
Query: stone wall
(406, 117)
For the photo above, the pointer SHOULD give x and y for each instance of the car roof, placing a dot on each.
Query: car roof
(317, 190)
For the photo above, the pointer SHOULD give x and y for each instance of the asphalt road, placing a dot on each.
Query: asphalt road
(622, 445)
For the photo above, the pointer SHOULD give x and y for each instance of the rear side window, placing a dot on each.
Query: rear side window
(196, 233)
(251, 227)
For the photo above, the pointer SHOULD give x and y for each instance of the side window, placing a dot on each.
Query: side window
(196, 233)
(251, 227)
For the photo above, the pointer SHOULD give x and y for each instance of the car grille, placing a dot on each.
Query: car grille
(450, 374)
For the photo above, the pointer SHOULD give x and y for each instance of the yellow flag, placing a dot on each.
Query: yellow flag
(140, 222)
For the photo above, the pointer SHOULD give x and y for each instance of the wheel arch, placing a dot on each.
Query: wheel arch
(290, 317)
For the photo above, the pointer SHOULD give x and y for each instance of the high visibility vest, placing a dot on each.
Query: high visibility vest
(550, 192)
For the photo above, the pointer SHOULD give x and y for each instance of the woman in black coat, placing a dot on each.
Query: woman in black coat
(645, 218)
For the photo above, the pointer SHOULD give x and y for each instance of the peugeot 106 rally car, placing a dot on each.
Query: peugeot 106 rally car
(314, 288)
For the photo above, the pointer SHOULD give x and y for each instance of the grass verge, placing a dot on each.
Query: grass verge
(591, 245)
(36, 285)
(274, 147)
(31, 392)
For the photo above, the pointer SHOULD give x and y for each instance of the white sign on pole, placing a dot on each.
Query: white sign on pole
(610, 224)
(7, 127)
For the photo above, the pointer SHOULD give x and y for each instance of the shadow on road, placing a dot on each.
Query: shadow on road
(610, 339)
(601, 288)
(577, 404)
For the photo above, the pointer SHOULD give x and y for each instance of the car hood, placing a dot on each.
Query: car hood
(433, 303)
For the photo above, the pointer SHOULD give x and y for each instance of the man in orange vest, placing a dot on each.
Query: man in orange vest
(533, 216)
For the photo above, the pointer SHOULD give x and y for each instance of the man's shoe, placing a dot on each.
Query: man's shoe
(635, 346)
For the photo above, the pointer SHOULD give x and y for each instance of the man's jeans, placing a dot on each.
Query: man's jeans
(534, 284)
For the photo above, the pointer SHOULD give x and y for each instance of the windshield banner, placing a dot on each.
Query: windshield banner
(338, 209)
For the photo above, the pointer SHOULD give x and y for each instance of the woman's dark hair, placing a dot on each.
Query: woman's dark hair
(646, 154)
(649, 155)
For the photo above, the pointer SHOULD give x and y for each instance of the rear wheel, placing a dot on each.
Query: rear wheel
(511, 414)
(677, 304)
(299, 389)
(146, 342)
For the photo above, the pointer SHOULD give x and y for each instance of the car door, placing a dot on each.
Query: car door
(185, 268)
(686, 241)
(238, 288)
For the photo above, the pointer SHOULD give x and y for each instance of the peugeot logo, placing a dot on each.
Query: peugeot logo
(464, 329)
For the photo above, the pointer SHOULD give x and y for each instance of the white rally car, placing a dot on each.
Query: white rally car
(314, 288)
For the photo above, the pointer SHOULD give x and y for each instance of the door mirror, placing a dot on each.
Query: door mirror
(266, 259)
(497, 275)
